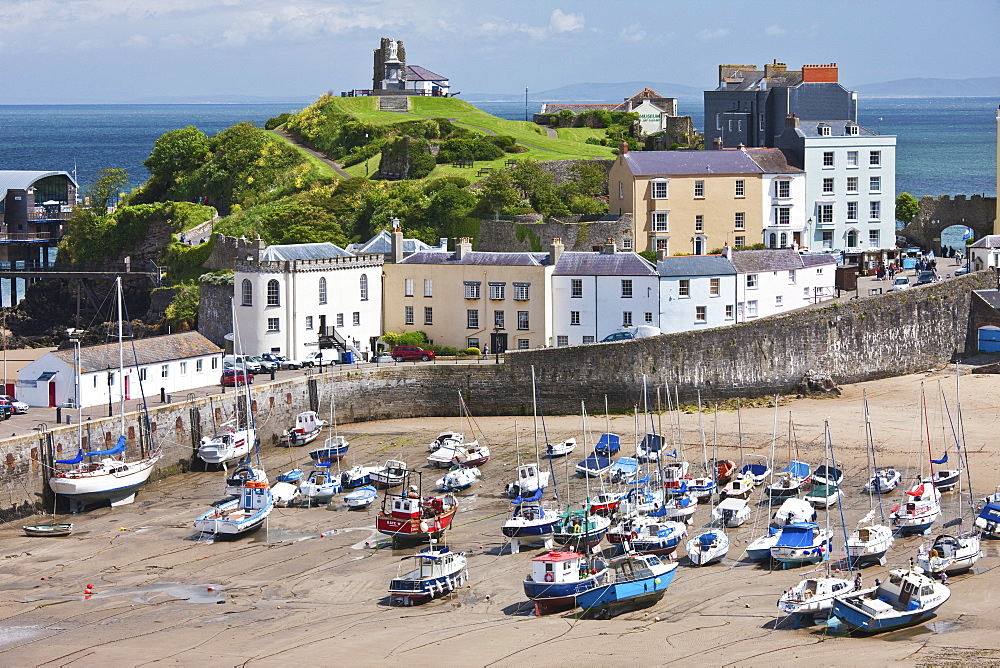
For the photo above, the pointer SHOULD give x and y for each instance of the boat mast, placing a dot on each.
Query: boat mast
(701, 431)
(121, 354)
(840, 504)
(871, 448)
(964, 453)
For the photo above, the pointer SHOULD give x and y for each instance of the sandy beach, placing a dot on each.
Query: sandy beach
(311, 588)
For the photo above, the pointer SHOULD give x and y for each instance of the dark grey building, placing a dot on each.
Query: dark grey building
(749, 106)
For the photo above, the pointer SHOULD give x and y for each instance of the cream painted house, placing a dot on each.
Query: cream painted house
(696, 201)
(471, 298)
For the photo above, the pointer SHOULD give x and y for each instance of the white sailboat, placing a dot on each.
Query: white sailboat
(114, 477)
(871, 540)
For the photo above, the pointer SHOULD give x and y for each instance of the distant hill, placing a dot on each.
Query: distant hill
(593, 93)
(924, 87)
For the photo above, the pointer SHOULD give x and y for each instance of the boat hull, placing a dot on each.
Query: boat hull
(866, 623)
(116, 488)
(552, 597)
(612, 599)
(526, 530)
(413, 592)
(410, 531)
(48, 530)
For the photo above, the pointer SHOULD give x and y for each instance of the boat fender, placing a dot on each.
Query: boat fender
(424, 527)
(549, 577)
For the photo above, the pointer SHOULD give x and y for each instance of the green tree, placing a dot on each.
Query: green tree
(107, 189)
(176, 152)
(497, 192)
(907, 206)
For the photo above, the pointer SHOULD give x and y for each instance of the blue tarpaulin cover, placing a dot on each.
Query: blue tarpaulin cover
(797, 535)
(797, 469)
(942, 460)
(991, 512)
(118, 449)
(75, 460)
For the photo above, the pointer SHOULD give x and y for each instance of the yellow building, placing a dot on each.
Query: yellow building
(471, 298)
(696, 201)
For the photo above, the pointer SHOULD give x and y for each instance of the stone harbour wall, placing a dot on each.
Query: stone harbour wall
(844, 342)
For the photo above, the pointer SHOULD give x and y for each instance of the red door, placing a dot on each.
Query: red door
(52, 394)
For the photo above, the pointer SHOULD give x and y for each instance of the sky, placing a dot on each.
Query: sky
(112, 51)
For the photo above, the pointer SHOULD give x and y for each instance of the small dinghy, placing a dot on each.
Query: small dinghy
(636, 581)
(529, 480)
(594, 466)
(557, 578)
(793, 511)
(951, 554)
(391, 475)
(439, 571)
(458, 478)
(48, 530)
(731, 512)
(759, 549)
(828, 474)
(333, 449)
(802, 543)
(707, 547)
(560, 449)
(883, 482)
(362, 497)
(725, 469)
(307, 428)
(292, 476)
(320, 486)
(624, 470)
(357, 476)
(823, 496)
(608, 445)
(908, 597)
(813, 595)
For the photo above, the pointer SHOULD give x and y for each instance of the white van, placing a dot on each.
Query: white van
(326, 356)
(241, 362)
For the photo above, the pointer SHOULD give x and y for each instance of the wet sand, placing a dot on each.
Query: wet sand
(287, 595)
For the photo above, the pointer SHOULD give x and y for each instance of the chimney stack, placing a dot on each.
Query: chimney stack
(726, 250)
(556, 249)
(609, 247)
(661, 255)
(791, 121)
(623, 148)
(463, 248)
(397, 241)
(717, 144)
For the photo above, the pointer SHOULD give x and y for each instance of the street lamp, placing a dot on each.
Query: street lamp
(496, 342)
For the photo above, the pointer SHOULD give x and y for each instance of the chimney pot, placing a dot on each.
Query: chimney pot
(556, 249)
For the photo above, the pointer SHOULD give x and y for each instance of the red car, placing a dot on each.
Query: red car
(233, 377)
(411, 353)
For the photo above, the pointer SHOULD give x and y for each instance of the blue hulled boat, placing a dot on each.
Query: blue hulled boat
(638, 581)
(608, 445)
(909, 597)
(557, 578)
(594, 466)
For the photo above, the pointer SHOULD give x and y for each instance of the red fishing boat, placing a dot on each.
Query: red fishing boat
(408, 517)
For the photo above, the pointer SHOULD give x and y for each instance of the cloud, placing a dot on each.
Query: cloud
(632, 33)
(774, 30)
(713, 34)
(565, 22)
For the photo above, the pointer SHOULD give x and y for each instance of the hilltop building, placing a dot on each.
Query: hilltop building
(749, 106)
(653, 109)
(850, 184)
(694, 201)
(391, 75)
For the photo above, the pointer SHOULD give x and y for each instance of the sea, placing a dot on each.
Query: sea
(945, 146)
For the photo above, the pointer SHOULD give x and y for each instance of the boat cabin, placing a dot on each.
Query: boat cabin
(635, 567)
(528, 478)
(394, 467)
(256, 495)
(558, 567)
(944, 546)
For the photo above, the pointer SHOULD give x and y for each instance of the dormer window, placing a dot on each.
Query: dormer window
(852, 130)
(824, 130)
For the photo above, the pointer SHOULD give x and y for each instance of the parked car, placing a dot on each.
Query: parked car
(963, 270)
(19, 407)
(411, 353)
(266, 365)
(233, 377)
(242, 362)
(6, 410)
(925, 277)
(900, 283)
(325, 356)
(282, 361)
(618, 336)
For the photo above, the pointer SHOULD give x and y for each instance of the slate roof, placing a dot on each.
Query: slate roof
(696, 265)
(417, 73)
(837, 129)
(751, 80)
(483, 258)
(818, 259)
(288, 252)
(725, 161)
(989, 241)
(582, 263)
(776, 259)
(991, 297)
(23, 179)
(152, 350)
(381, 244)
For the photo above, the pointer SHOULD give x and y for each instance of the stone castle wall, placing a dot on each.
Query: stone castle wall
(937, 214)
(845, 342)
(527, 233)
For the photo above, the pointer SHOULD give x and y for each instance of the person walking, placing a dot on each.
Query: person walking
(486, 352)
